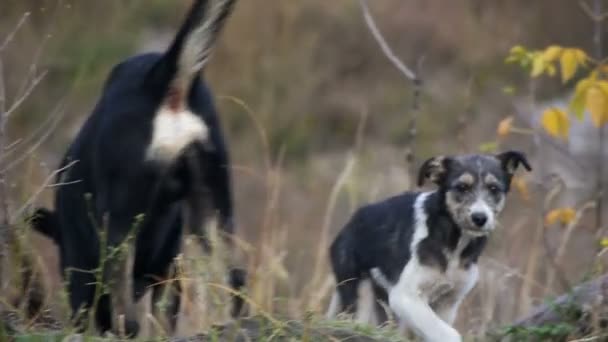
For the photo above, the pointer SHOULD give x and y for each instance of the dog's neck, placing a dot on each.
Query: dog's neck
(445, 239)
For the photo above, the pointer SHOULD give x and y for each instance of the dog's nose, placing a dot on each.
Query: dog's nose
(479, 219)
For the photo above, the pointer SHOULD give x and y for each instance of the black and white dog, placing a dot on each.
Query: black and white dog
(153, 146)
(420, 249)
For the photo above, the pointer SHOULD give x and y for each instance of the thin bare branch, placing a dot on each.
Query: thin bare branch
(59, 109)
(25, 94)
(10, 147)
(410, 155)
(578, 163)
(371, 24)
(412, 129)
(2, 91)
(49, 123)
(56, 185)
(11, 35)
(47, 182)
(599, 51)
(33, 68)
(592, 14)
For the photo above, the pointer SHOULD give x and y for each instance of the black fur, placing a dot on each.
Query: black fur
(379, 235)
(373, 237)
(111, 181)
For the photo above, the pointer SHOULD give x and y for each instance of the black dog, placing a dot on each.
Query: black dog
(420, 250)
(152, 148)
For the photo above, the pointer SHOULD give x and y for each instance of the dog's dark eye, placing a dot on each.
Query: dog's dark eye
(494, 188)
(462, 187)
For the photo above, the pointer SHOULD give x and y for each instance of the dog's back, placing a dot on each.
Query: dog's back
(376, 236)
(375, 233)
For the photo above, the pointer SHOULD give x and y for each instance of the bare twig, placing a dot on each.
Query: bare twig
(593, 14)
(11, 35)
(412, 76)
(47, 183)
(598, 18)
(18, 102)
(49, 124)
(556, 258)
(466, 115)
(412, 130)
(38, 143)
(371, 24)
(578, 163)
(4, 219)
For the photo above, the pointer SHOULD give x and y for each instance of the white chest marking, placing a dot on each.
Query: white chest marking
(429, 282)
(424, 298)
(172, 131)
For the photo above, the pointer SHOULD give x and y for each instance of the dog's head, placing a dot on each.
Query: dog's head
(474, 186)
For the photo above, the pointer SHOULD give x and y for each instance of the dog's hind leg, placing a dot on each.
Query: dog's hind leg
(347, 274)
(380, 304)
(334, 306)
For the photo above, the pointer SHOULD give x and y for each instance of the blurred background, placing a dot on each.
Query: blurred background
(317, 121)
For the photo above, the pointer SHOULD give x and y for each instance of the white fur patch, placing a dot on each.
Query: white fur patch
(421, 289)
(172, 131)
(334, 306)
(480, 206)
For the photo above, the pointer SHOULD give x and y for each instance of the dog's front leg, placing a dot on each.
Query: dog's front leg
(417, 315)
(448, 309)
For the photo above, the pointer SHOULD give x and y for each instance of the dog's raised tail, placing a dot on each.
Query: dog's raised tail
(191, 48)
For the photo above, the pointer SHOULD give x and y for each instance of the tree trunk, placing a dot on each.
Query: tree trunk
(585, 307)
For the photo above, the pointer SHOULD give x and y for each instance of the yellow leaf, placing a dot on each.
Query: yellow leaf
(556, 122)
(552, 217)
(567, 215)
(596, 101)
(569, 63)
(517, 50)
(581, 56)
(604, 242)
(561, 215)
(504, 127)
(577, 104)
(522, 187)
(538, 66)
(552, 53)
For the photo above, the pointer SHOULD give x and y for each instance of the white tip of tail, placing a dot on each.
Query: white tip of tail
(173, 131)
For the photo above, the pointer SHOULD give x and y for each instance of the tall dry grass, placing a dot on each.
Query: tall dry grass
(315, 119)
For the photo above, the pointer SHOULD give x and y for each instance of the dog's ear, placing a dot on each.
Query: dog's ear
(433, 169)
(511, 160)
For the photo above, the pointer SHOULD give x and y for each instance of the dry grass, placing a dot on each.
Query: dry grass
(294, 81)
